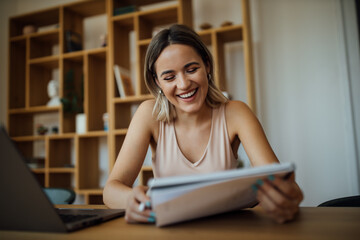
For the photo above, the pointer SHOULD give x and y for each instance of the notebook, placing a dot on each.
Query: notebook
(24, 205)
(181, 198)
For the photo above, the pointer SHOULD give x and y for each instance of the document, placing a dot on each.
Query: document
(182, 198)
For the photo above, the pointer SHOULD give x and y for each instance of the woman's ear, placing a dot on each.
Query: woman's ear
(208, 67)
(156, 81)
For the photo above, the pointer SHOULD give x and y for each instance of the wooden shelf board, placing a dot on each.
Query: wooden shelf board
(144, 42)
(38, 170)
(32, 110)
(18, 38)
(120, 132)
(230, 33)
(48, 62)
(29, 138)
(133, 99)
(93, 134)
(75, 56)
(62, 136)
(124, 19)
(100, 52)
(227, 34)
(61, 170)
(52, 35)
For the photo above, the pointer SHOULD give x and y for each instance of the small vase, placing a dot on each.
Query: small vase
(80, 123)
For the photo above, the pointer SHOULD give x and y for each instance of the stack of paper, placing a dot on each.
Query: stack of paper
(180, 198)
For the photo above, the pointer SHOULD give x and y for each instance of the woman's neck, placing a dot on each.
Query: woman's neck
(194, 119)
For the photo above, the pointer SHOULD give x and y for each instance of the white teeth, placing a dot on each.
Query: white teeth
(187, 95)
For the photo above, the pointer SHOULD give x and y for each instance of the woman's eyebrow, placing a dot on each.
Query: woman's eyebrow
(191, 63)
(166, 72)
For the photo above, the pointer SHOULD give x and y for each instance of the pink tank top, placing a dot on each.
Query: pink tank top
(218, 155)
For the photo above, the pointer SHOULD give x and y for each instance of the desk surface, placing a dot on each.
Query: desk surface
(311, 223)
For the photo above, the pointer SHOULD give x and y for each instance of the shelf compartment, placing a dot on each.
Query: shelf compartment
(39, 19)
(44, 44)
(22, 123)
(61, 154)
(17, 74)
(32, 149)
(96, 90)
(73, 84)
(152, 19)
(61, 180)
(223, 37)
(92, 159)
(41, 72)
(75, 17)
(123, 42)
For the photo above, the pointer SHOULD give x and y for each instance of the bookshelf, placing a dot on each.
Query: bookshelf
(74, 160)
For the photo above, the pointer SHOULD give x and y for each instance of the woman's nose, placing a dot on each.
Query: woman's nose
(182, 81)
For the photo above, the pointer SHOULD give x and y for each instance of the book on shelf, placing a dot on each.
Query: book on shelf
(123, 81)
(124, 10)
(73, 41)
(181, 198)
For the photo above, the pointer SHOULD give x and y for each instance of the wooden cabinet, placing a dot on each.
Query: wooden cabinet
(62, 157)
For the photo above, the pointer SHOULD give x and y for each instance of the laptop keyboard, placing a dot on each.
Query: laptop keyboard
(68, 218)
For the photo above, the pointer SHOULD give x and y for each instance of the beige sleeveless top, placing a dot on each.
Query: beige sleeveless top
(218, 155)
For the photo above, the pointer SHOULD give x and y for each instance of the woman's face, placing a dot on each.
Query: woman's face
(182, 76)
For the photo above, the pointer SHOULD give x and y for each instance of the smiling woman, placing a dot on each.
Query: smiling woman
(191, 128)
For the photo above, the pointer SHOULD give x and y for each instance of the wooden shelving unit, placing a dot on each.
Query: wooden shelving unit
(72, 160)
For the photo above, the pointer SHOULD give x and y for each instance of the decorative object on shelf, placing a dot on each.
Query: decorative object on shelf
(103, 40)
(41, 129)
(226, 23)
(55, 130)
(29, 29)
(53, 92)
(124, 10)
(123, 81)
(72, 101)
(106, 121)
(35, 162)
(80, 123)
(205, 26)
(73, 41)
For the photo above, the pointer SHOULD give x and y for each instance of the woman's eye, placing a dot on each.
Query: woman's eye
(192, 70)
(167, 78)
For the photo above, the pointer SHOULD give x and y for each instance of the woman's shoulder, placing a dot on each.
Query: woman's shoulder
(145, 110)
(237, 113)
(235, 106)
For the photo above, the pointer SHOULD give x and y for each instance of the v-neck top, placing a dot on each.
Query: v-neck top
(218, 155)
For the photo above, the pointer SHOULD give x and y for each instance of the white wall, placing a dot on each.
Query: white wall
(301, 93)
(301, 90)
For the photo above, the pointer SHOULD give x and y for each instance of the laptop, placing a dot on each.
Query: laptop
(25, 206)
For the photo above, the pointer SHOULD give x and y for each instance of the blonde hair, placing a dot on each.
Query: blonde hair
(177, 34)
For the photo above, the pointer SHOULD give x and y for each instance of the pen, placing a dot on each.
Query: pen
(142, 204)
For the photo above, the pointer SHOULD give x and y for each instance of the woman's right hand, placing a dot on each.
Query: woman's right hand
(133, 214)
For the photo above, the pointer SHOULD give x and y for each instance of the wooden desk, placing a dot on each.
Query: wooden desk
(312, 223)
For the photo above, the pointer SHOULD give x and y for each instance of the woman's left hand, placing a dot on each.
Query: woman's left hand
(280, 198)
